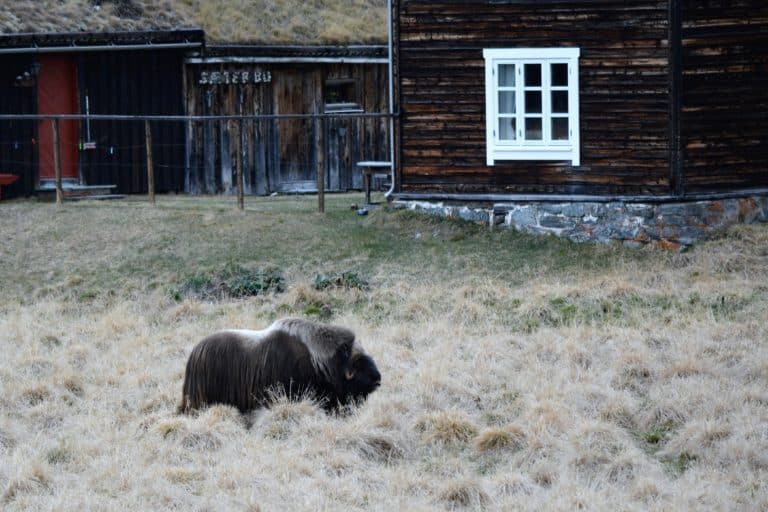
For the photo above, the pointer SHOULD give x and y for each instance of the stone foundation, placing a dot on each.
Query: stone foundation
(667, 225)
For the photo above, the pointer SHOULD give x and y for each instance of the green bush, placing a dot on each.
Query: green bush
(340, 280)
(232, 282)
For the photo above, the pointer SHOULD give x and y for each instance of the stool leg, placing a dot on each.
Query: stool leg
(367, 185)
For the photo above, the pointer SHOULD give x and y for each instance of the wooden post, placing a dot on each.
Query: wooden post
(57, 161)
(239, 166)
(150, 166)
(320, 162)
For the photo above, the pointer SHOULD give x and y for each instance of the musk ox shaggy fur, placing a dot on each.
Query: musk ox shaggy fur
(294, 357)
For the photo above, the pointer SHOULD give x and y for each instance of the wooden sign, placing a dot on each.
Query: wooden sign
(234, 77)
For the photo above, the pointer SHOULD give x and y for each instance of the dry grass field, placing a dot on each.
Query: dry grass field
(519, 373)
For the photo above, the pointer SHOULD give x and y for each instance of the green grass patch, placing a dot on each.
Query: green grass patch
(340, 280)
(658, 434)
(232, 281)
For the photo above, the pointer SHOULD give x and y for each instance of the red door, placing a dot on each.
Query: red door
(57, 94)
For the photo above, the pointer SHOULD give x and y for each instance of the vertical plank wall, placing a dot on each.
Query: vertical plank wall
(280, 155)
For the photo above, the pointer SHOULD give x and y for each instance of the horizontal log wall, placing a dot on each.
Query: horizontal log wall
(724, 116)
(624, 94)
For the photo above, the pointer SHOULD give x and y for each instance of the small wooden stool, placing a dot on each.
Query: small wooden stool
(371, 168)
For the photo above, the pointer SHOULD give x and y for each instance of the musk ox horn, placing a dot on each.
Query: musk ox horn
(294, 357)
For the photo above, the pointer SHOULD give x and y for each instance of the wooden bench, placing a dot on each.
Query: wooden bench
(7, 179)
(370, 169)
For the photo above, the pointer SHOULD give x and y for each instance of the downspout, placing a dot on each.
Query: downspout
(391, 106)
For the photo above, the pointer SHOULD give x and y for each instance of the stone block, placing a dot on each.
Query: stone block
(674, 209)
(522, 216)
(646, 211)
(580, 210)
(551, 221)
(473, 214)
(553, 208)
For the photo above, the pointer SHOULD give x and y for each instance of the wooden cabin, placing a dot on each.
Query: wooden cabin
(657, 101)
(641, 99)
(115, 73)
(174, 73)
(285, 154)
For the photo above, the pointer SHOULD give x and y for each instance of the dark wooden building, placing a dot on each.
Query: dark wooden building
(284, 154)
(175, 74)
(117, 73)
(593, 99)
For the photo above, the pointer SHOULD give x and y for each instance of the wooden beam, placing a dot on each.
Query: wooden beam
(239, 166)
(150, 165)
(319, 130)
(57, 162)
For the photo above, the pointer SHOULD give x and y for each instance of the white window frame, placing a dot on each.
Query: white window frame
(520, 148)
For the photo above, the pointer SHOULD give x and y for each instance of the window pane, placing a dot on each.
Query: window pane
(560, 128)
(532, 102)
(533, 128)
(506, 75)
(507, 128)
(559, 75)
(506, 102)
(533, 75)
(560, 102)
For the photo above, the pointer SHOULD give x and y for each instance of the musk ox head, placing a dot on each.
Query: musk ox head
(292, 357)
(361, 377)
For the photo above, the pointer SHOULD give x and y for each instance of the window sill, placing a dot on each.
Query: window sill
(533, 153)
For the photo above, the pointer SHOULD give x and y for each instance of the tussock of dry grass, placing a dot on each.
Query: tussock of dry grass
(550, 377)
(262, 21)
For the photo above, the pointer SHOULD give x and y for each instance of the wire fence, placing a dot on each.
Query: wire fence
(223, 154)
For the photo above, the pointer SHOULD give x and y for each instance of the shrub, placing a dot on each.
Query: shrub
(231, 282)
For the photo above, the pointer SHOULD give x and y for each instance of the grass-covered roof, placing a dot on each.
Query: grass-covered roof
(241, 21)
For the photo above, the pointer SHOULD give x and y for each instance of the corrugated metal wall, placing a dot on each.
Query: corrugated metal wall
(145, 82)
(18, 139)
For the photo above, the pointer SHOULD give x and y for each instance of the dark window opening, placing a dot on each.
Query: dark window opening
(341, 96)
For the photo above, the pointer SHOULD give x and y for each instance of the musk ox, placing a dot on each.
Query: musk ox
(294, 357)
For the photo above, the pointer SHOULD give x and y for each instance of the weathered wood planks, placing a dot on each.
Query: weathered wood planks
(630, 95)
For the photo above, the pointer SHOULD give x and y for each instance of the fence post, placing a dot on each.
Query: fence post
(239, 165)
(150, 166)
(57, 161)
(320, 162)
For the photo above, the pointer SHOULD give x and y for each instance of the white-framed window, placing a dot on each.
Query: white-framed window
(532, 104)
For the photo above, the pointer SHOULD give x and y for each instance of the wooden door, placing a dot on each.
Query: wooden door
(296, 91)
(57, 94)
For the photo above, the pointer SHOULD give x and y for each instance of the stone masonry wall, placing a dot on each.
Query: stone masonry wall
(666, 225)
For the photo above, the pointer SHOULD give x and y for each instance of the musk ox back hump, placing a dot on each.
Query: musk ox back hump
(235, 368)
